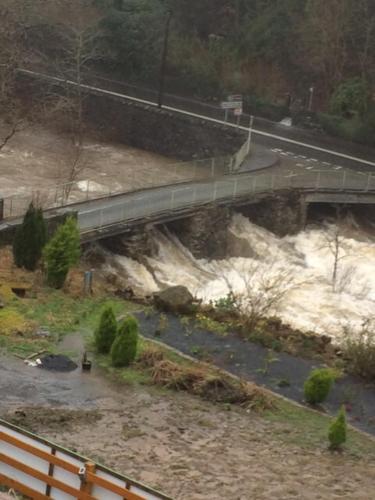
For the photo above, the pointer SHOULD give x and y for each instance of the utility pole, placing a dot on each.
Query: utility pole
(237, 17)
(311, 90)
(164, 59)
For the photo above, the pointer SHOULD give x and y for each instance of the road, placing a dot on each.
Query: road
(267, 133)
(300, 169)
(266, 138)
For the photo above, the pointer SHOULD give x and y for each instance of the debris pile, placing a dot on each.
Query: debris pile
(57, 362)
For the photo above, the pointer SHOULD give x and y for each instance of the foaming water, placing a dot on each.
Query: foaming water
(302, 265)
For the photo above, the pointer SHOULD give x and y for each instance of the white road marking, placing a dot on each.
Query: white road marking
(207, 118)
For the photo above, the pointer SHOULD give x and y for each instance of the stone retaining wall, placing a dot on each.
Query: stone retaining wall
(146, 127)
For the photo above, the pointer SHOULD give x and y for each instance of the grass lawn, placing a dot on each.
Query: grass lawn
(55, 311)
(61, 314)
(309, 430)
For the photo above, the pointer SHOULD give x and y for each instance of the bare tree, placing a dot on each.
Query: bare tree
(264, 288)
(73, 168)
(79, 43)
(344, 276)
(12, 32)
(334, 242)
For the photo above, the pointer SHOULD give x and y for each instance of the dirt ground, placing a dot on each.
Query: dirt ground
(188, 448)
(36, 160)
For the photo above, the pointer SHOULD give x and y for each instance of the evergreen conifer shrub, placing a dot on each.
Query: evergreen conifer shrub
(124, 347)
(106, 332)
(337, 431)
(318, 385)
(62, 252)
(30, 238)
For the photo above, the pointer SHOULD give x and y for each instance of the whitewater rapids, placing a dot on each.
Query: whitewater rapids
(311, 303)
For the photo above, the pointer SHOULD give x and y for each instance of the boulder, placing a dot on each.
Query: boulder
(176, 299)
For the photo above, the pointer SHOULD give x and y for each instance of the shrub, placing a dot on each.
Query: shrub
(360, 351)
(30, 239)
(337, 431)
(318, 385)
(124, 347)
(351, 97)
(106, 332)
(227, 303)
(62, 252)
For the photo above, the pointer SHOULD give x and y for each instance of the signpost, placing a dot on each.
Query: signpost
(233, 102)
(238, 112)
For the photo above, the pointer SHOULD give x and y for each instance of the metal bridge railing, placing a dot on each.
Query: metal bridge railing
(81, 190)
(136, 206)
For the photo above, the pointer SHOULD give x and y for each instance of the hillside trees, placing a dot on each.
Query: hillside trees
(135, 36)
(265, 49)
(362, 39)
(325, 43)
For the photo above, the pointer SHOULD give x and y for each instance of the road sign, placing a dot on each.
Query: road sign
(231, 105)
(235, 97)
(237, 111)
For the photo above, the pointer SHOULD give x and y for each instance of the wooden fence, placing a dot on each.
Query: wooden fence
(42, 470)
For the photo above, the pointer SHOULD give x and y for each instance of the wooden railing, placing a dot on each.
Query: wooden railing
(41, 470)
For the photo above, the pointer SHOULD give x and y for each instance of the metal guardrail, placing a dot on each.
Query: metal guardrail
(142, 205)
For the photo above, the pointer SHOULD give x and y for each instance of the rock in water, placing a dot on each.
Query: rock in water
(176, 299)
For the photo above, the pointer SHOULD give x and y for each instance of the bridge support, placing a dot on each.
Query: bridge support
(205, 233)
(282, 214)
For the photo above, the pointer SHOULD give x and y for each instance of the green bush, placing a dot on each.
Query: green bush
(350, 98)
(360, 351)
(356, 129)
(105, 334)
(124, 347)
(30, 239)
(62, 252)
(318, 385)
(227, 303)
(337, 431)
(264, 108)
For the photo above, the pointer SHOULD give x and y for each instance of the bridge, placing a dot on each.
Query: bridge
(100, 218)
(119, 212)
